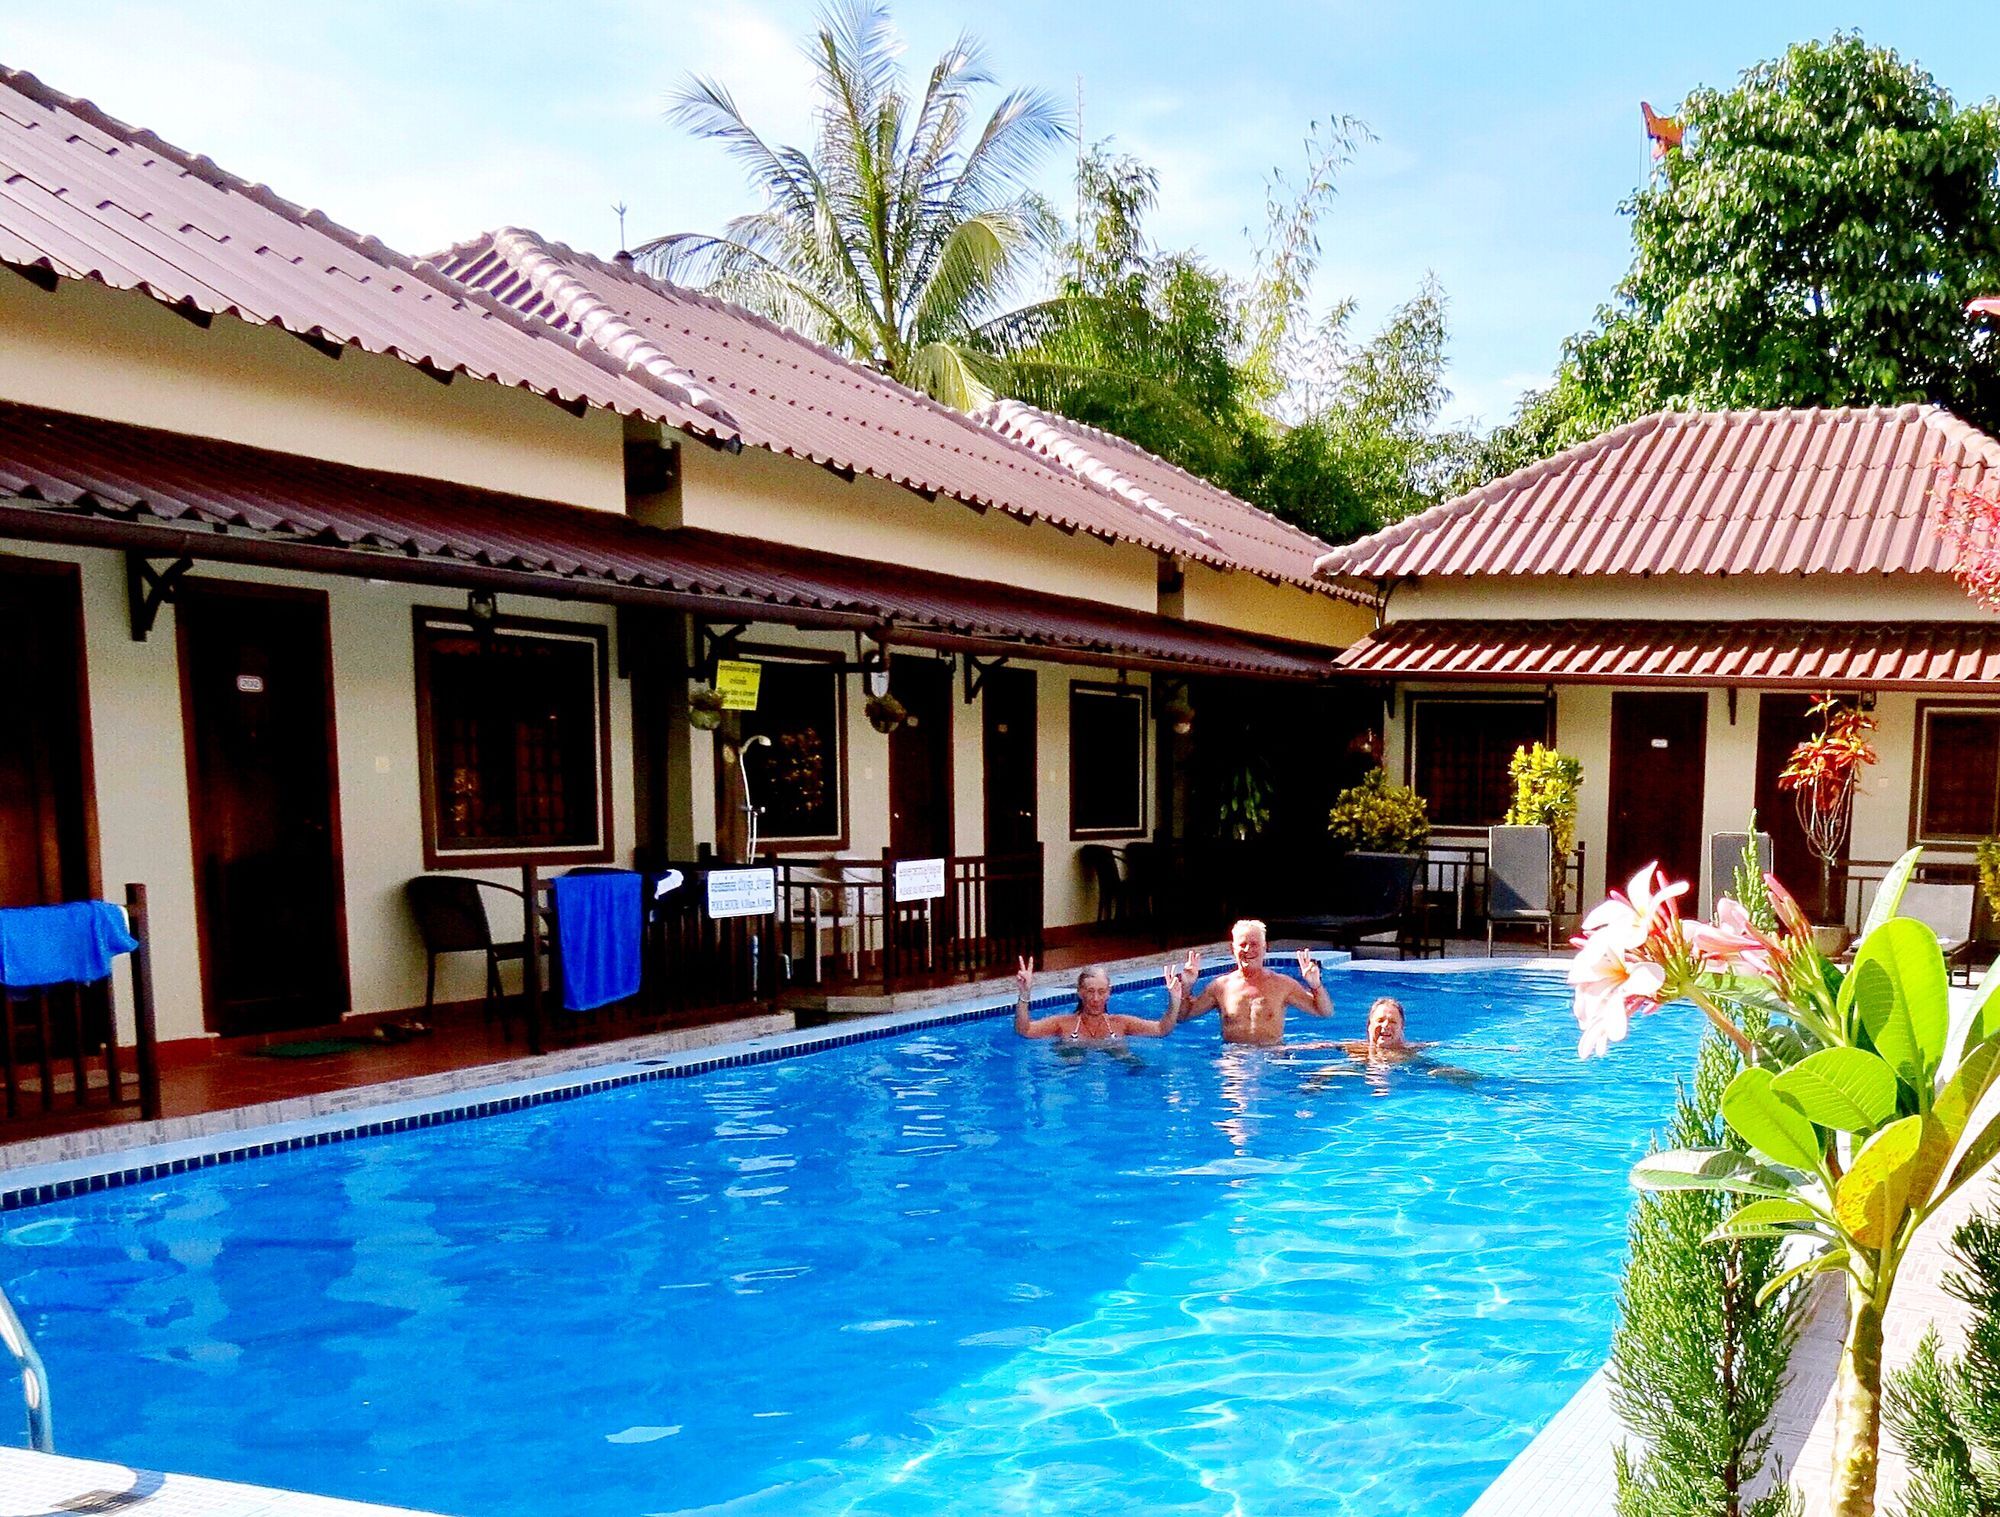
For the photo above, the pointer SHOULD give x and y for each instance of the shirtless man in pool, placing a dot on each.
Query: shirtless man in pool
(1090, 1022)
(1252, 999)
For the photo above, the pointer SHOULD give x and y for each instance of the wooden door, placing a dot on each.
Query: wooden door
(920, 759)
(257, 698)
(1782, 724)
(1008, 702)
(47, 828)
(1659, 742)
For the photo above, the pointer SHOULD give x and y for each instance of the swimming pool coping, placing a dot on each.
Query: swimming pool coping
(62, 1179)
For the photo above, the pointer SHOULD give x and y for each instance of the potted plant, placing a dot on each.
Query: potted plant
(1823, 777)
(885, 713)
(1246, 805)
(1545, 789)
(1379, 817)
(704, 708)
(1179, 713)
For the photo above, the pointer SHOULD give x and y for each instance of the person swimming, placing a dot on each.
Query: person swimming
(1387, 1041)
(1251, 998)
(1090, 1022)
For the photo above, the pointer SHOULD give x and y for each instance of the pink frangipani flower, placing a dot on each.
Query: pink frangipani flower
(1733, 944)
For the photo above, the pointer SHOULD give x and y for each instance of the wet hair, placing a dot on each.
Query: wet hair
(1246, 925)
(1095, 972)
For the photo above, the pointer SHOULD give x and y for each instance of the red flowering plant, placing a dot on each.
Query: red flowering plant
(1969, 522)
(1823, 775)
(1853, 1114)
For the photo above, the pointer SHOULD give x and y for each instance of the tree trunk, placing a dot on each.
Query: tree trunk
(1857, 1408)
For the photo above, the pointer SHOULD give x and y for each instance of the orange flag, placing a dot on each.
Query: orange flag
(1666, 131)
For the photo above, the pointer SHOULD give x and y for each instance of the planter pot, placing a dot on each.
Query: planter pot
(1831, 938)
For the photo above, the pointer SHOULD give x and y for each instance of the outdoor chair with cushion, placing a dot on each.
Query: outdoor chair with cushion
(1518, 862)
(451, 918)
(1363, 896)
(1725, 856)
(1947, 910)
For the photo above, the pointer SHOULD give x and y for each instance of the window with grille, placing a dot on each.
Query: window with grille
(511, 727)
(1459, 752)
(1107, 760)
(1958, 774)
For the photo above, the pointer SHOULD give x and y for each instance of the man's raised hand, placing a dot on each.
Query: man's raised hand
(1309, 969)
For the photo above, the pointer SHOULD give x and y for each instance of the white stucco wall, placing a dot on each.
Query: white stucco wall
(139, 759)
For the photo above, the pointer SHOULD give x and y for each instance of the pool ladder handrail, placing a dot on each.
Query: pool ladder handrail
(34, 1378)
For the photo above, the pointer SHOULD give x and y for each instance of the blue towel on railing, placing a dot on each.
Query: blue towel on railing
(599, 918)
(72, 944)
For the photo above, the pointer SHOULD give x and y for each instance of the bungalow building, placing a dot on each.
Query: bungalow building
(323, 567)
(1664, 602)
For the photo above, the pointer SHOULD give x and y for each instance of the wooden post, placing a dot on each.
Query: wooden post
(1040, 908)
(145, 1028)
(531, 957)
(891, 952)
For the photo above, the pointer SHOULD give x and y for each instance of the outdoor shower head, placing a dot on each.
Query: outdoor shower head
(750, 810)
(756, 741)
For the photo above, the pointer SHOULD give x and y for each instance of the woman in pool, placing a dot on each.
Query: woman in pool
(1388, 1043)
(1090, 1022)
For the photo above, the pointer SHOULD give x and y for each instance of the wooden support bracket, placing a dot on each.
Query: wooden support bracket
(147, 589)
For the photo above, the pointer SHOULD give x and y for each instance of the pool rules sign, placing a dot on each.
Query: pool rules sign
(919, 879)
(742, 893)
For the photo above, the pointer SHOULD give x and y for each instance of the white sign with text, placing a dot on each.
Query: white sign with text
(919, 879)
(742, 893)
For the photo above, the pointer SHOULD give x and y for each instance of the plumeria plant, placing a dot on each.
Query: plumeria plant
(1856, 1107)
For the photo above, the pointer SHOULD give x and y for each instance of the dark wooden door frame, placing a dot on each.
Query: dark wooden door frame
(946, 778)
(1615, 863)
(71, 575)
(998, 680)
(220, 589)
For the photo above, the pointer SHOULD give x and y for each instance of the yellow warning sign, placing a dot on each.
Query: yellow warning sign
(736, 681)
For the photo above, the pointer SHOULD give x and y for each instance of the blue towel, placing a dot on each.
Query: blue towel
(598, 917)
(61, 945)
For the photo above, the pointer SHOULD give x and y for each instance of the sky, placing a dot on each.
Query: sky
(1504, 136)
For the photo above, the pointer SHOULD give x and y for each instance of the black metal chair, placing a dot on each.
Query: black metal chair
(451, 918)
(1101, 863)
(1363, 895)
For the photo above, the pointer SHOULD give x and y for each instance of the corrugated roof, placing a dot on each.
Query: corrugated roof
(1838, 491)
(791, 395)
(249, 504)
(1771, 654)
(1255, 539)
(84, 196)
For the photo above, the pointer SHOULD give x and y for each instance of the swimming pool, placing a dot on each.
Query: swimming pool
(947, 1271)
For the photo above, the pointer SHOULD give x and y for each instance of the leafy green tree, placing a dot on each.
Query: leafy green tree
(905, 227)
(1946, 1412)
(1813, 243)
(1698, 1360)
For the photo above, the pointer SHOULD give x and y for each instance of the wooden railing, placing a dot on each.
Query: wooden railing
(59, 1048)
(837, 923)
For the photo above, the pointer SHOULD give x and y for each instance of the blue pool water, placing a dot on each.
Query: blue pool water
(943, 1272)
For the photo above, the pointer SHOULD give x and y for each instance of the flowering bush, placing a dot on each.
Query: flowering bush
(1823, 775)
(1848, 1103)
(1378, 817)
(1545, 795)
(1969, 521)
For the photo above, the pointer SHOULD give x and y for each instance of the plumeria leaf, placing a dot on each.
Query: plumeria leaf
(1768, 1121)
(1934, 1145)
(1773, 1217)
(1909, 1021)
(1978, 1153)
(1889, 898)
(1709, 1169)
(1847, 1089)
(1873, 1196)
(1984, 1025)
(1966, 1087)
(1832, 1259)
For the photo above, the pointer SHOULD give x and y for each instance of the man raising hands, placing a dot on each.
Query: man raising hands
(1252, 998)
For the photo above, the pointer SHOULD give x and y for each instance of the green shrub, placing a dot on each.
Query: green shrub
(1378, 817)
(1946, 1412)
(1545, 789)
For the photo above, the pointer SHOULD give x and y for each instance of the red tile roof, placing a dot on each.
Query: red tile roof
(1846, 491)
(167, 494)
(83, 196)
(1255, 539)
(791, 395)
(1775, 654)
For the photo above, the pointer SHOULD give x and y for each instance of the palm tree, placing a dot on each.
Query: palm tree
(901, 233)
